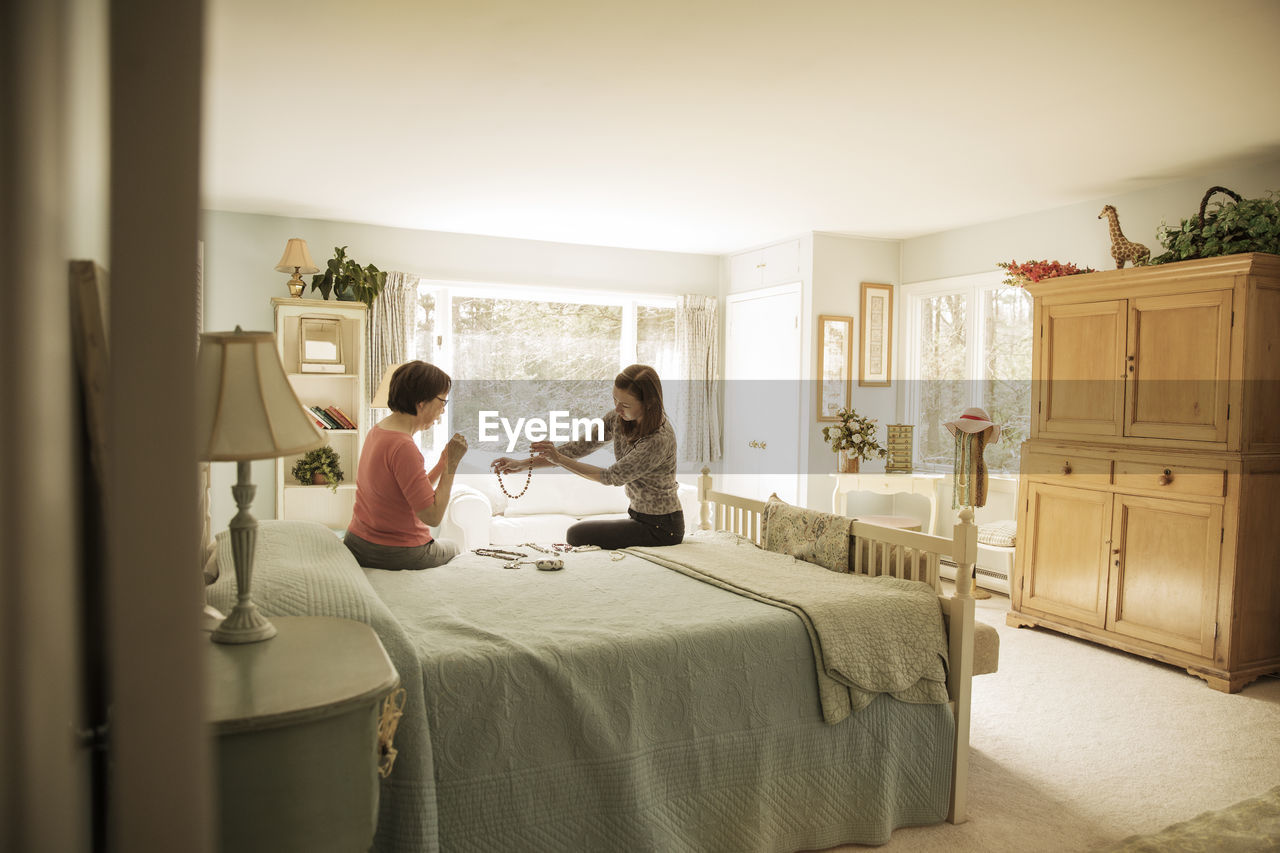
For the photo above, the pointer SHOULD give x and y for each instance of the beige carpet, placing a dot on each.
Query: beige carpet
(1076, 747)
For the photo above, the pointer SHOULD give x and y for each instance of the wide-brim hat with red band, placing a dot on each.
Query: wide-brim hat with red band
(974, 420)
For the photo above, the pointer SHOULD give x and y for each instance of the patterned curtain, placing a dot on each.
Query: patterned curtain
(697, 416)
(390, 329)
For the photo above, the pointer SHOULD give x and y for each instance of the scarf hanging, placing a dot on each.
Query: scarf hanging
(970, 470)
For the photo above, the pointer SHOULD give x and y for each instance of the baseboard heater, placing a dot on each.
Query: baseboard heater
(992, 579)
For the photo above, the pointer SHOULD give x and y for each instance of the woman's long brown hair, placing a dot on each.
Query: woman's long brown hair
(642, 382)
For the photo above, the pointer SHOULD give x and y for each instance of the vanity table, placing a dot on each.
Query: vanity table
(295, 722)
(887, 484)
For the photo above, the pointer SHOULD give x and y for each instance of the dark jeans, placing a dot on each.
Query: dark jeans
(639, 529)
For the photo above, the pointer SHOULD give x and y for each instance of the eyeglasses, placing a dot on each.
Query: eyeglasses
(444, 400)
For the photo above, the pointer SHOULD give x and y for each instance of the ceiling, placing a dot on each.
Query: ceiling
(717, 125)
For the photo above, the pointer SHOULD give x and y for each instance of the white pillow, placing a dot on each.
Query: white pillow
(1000, 533)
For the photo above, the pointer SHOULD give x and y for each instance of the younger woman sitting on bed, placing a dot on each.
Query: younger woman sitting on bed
(644, 445)
(396, 498)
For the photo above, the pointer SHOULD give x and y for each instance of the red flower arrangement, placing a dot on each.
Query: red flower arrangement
(1020, 274)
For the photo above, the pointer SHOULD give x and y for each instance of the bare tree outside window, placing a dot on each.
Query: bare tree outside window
(1006, 383)
(943, 362)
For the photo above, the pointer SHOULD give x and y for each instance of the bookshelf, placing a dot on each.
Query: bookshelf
(338, 382)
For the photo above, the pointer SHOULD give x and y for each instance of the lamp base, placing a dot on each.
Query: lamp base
(296, 285)
(244, 625)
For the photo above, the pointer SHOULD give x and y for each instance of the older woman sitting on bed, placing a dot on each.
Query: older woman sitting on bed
(396, 497)
(644, 445)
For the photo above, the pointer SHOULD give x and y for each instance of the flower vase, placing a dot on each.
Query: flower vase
(846, 462)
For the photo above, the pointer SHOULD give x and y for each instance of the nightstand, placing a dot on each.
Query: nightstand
(296, 725)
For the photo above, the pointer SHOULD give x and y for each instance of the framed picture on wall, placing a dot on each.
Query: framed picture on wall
(875, 355)
(835, 365)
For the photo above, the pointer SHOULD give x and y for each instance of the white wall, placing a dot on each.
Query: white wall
(241, 250)
(840, 265)
(1074, 233)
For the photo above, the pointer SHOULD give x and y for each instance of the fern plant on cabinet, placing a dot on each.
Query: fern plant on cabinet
(324, 384)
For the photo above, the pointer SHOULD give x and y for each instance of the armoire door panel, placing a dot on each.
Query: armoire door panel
(1164, 581)
(1081, 387)
(1067, 538)
(1180, 348)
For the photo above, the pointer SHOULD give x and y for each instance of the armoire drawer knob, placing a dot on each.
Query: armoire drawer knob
(1066, 467)
(1166, 478)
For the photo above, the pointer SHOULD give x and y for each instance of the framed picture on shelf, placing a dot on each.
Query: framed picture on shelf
(320, 345)
(835, 365)
(875, 355)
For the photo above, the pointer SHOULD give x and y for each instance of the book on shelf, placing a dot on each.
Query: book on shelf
(341, 417)
(329, 422)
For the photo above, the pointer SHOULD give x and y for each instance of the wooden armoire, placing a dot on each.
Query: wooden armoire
(1149, 510)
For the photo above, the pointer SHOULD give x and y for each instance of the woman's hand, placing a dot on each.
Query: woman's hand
(455, 450)
(507, 465)
(546, 450)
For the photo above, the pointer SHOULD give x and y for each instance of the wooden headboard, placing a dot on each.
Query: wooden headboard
(877, 550)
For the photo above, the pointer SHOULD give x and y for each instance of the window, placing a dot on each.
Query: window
(526, 352)
(968, 344)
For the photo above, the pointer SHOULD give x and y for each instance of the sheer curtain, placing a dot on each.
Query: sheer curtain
(390, 329)
(698, 418)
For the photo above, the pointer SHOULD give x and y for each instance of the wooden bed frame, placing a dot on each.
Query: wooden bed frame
(904, 554)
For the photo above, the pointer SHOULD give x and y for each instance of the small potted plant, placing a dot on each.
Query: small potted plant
(346, 279)
(319, 467)
(853, 439)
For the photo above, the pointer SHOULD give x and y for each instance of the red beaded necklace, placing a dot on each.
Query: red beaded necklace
(528, 477)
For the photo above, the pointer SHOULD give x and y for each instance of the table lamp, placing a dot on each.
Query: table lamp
(245, 410)
(297, 260)
(383, 390)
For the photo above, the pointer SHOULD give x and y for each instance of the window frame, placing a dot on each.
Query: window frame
(971, 287)
(445, 290)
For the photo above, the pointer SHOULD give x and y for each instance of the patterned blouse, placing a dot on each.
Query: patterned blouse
(645, 468)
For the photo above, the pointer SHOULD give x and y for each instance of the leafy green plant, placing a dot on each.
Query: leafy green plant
(322, 460)
(346, 279)
(1244, 225)
(854, 433)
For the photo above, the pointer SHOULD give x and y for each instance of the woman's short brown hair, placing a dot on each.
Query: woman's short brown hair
(642, 382)
(416, 382)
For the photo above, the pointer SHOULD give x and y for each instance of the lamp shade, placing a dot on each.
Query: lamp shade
(297, 257)
(379, 400)
(245, 406)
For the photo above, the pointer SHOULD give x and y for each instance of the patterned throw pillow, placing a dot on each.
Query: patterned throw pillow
(1001, 533)
(815, 537)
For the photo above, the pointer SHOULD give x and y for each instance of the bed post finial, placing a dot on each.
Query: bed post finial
(704, 503)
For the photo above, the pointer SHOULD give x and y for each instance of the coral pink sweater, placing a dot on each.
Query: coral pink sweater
(392, 487)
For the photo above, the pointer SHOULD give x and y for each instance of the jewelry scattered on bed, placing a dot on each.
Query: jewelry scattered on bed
(527, 478)
(538, 548)
(498, 553)
(563, 548)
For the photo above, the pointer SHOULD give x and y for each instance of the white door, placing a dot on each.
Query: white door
(762, 394)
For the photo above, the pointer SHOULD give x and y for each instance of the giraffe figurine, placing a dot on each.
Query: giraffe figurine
(1123, 249)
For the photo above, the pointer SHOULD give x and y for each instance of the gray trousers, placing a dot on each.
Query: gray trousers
(371, 555)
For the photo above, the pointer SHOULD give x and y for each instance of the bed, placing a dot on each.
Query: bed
(688, 698)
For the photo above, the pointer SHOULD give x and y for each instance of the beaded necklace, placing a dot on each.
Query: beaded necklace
(527, 478)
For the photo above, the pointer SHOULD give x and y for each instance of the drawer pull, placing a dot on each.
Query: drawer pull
(1066, 467)
(1166, 478)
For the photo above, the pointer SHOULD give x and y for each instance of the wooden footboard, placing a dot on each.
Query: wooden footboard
(897, 553)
